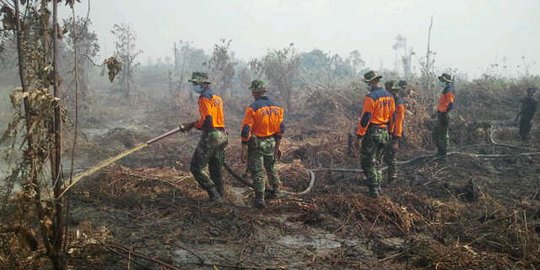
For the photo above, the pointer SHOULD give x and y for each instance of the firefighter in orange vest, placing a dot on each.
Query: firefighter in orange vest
(372, 131)
(446, 104)
(209, 156)
(396, 128)
(261, 134)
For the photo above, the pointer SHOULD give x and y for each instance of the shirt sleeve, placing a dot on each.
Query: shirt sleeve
(281, 130)
(367, 111)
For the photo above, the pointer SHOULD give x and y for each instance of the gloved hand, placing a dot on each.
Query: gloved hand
(185, 127)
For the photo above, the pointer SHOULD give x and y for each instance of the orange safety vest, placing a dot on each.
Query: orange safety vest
(211, 111)
(446, 101)
(379, 107)
(263, 118)
(396, 127)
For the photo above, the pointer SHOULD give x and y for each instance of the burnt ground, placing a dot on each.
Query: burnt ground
(464, 212)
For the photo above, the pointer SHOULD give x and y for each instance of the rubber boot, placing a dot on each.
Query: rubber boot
(214, 195)
(259, 200)
(220, 189)
(275, 193)
(374, 191)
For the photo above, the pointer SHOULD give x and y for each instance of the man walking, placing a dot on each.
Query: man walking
(207, 161)
(396, 129)
(446, 104)
(529, 106)
(372, 131)
(261, 133)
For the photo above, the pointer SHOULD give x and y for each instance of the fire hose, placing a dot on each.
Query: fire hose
(311, 172)
(111, 160)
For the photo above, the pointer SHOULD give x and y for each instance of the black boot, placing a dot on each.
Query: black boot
(220, 189)
(374, 191)
(259, 200)
(214, 195)
(275, 193)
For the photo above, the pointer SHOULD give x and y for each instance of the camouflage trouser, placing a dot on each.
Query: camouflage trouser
(209, 157)
(261, 158)
(441, 132)
(525, 126)
(371, 152)
(391, 160)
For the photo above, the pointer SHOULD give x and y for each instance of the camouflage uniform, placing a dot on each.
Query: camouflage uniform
(373, 146)
(209, 156)
(260, 159)
(373, 125)
(208, 159)
(528, 109)
(390, 158)
(396, 128)
(441, 136)
(445, 106)
(262, 129)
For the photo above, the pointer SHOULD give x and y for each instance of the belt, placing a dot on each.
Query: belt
(208, 130)
(381, 126)
(264, 137)
(216, 129)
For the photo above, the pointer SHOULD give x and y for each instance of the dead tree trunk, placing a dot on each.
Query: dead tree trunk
(57, 181)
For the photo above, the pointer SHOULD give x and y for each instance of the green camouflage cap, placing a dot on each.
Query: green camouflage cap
(257, 86)
(446, 78)
(199, 78)
(392, 86)
(370, 76)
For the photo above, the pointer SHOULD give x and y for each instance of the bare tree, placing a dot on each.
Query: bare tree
(84, 42)
(221, 66)
(406, 58)
(126, 52)
(281, 68)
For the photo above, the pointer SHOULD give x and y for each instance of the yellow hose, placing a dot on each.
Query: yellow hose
(101, 165)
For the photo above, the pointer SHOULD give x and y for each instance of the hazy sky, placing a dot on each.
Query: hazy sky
(467, 34)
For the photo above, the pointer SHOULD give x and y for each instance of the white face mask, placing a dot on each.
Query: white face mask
(442, 84)
(197, 88)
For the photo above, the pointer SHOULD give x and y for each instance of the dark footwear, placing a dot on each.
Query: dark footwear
(275, 194)
(214, 195)
(259, 200)
(374, 191)
(441, 153)
(220, 189)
